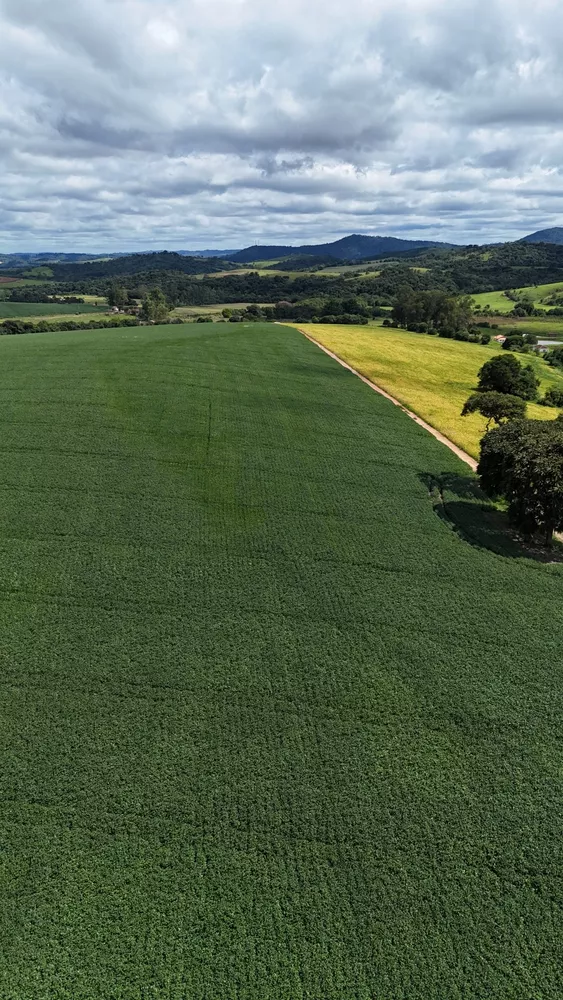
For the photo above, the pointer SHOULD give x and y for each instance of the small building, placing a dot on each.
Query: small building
(546, 345)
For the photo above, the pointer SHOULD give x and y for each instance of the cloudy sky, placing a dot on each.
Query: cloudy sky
(127, 124)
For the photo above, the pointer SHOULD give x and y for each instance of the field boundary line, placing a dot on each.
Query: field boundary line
(383, 392)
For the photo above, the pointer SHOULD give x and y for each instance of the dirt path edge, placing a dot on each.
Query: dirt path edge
(382, 392)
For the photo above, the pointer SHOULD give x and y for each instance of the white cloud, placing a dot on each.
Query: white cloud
(137, 123)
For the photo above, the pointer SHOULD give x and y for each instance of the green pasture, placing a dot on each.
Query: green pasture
(499, 302)
(540, 292)
(271, 729)
(349, 270)
(94, 299)
(215, 310)
(246, 269)
(346, 269)
(259, 265)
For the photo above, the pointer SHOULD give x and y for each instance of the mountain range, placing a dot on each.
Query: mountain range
(355, 247)
(350, 248)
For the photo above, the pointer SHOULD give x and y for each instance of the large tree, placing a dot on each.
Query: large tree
(555, 357)
(522, 461)
(155, 308)
(504, 373)
(118, 296)
(497, 406)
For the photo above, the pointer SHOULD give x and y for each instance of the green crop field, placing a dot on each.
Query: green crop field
(271, 729)
(430, 375)
(45, 310)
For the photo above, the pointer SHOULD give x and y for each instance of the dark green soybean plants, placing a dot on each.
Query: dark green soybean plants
(271, 730)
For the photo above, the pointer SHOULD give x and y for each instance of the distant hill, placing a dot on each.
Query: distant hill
(15, 260)
(18, 260)
(139, 263)
(353, 248)
(207, 253)
(554, 235)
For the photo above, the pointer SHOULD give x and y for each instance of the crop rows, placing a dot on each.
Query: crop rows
(271, 730)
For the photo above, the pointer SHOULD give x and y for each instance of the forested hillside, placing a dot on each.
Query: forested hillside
(138, 263)
(323, 289)
(509, 265)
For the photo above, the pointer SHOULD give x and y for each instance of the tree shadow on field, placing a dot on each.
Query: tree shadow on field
(460, 502)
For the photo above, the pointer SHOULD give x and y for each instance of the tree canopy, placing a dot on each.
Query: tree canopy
(522, 461)
(553, 397)
(497, 406)
(118, 296)
(436, 309)
(505, 374)
(155, 308)
(555, 357)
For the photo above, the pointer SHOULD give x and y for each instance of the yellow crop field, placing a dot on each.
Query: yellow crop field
(430, 375)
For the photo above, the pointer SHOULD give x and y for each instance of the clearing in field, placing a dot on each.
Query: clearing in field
(497, 301)
(430, 375)
(214, 310)
(272, 730)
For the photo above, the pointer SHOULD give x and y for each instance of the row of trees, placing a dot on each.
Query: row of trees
(18, 326)
(429, 311)
(521, 460)
(318, 309)
(37, 293)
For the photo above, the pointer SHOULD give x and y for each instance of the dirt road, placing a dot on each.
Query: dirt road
(418, 420)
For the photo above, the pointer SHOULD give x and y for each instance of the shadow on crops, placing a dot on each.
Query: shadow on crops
(460, 502)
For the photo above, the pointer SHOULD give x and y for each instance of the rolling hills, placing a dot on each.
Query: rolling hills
(355, 247)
